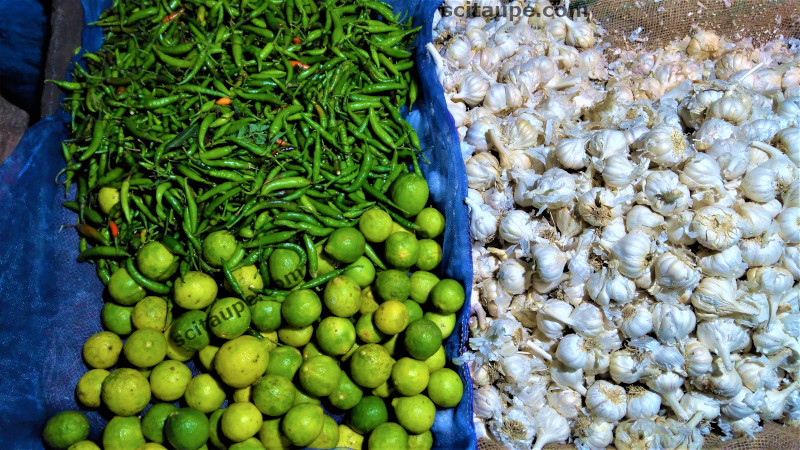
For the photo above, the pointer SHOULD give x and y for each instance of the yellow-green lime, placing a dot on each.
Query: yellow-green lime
(401, 250)
(206, 356)
(204, 393)
(375, 225)
(368, 303)
(123, 433)
(447, 296)
(195, 290)
(270, 339)
(125, 392)
(271, 436)
(295, 336)
(284, 361)
(302, 424)
(216, 439)
(65, 428)
(391, 344)
(391, 317)
(363, 272)
(154, 446)
(437, 360)
(146, 347)
(325, 264)
(302, 397)
(310, 350)
(415, 413)
(241, 421)
(430, 254)
(251, 443)
(414, 310)
(392, 284)
(169, 379)
(421, 284)
(175, 351)
(366, 330)
(107, 197)
(242, 394)
(301, 308)
(422, 338)
(345, 244)
(388, 436)
(285, 268)
(347, 394)
(154, 419)
(228, 317)
(123, 289)
(117, 318)
(445, 388)
(349, 438)
(84, 445)
(329, 436)
(335, 335)
(151, 312)
(371, 366)
(410, 192)
(189, 331)
(248, 278)
(319, 375)
(410, 376)
(241, 361)
(102, 350)
(186, 429)
(218, 246)
(445, 322)
(88, 388)
(431, 221)
(368, 414)
(342, 296)
(397, 228)
(383, 391)
(156, 262)
(273, 394)
(422, 441)
(266, 315)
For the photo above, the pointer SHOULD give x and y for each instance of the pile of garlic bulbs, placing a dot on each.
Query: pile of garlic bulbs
(636, 227)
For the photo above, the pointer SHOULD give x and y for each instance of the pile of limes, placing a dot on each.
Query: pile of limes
(363, 336)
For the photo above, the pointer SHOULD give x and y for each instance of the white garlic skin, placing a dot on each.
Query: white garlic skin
(675, 272)
(665, 193)
(672, 323)
(717, 228)
(789, 222)
(606, 400)
(664, 145)
(698, 358)
(636, 321)
(759, 184)
(641, 403)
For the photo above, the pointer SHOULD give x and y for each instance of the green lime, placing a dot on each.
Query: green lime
(274, 394)
(448, 296)
(241, 361)
(415, 413)
(269, 339)
(302, 397)
(204, 393)
(388, 436)
(186, 429)
(123, 289)
(430, 254)
(107, 197)
(125, 392)
(348, 438)
(151, 312)
(368, 303)
(401, 250)
(248, 278)
(241, 421)
(383, 391)
(302, 424)
(310, 350)
(189, 331)
(65, 428)
(335, 335)
(329, 436)
(102, 350)
(146, 347)
(371, 366)
(251, 443)
(271, 436)
(286, 269)
(375, 224)
(410, 376)
(84, 445)
(228, 317)
(319, 375)
(152, 446)
(422, 441)
(206, 356)
(215, 437)
(366, 330)
(266, 315)
(414, 310)
(367, 414)
(117, 318)
(325, 264)
(363, 275)
(284, 361)
(154, 419)
(242, 394)
(410, 192)
(345, 244)
(195, 290)
(175, 351)
(421, 284)
(169, 379)
(431, 221)
(445, 388)
(422, 338)
(390, 344)
(397, 228)
(295, 336)
(301, 308)
(446, 322)
(156, 262)
(391, 317)
(342, 296)
(392, 285)
(218, 246)
(347, 394)
(88, 389)
(123, 433)
(437, 360)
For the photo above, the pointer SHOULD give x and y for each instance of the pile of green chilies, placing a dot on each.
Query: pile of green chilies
(277, 121)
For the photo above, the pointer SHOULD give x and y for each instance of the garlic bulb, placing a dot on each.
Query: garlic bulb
(723, 336)
(472, 90)
(594, 434)
(789, 222)
(564, 401)
(549, 261)
(550, 427)
(502, 96)
(672, 323)
(665, 194)
(719, 297)
(483, 219)
(599, 206)
(567, 378)
(702, 172)
(694, 402)
(716, 227)
(759, 184)
(698, 358)
(727, 263)
(554, 189)
(730, 109)
(668, 384)
(606, 401)
(704, 45)
(644, 219)
(477, 131)
(664, 145)
(483, 171)
(641, 403)
(513, 276)
(674, 271)
(732, 156)
(571, 153)
(636, 321)
(625, 366)
(618, 171)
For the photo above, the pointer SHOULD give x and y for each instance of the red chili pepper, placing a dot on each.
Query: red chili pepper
(114, 229)
(223, 101)
(172, 16)
(299, 64)
(120, 90)
(296, 40)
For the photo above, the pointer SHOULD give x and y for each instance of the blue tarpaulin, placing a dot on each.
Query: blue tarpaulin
(50, 304)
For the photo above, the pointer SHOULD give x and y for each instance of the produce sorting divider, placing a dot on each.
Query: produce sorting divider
(52, 304)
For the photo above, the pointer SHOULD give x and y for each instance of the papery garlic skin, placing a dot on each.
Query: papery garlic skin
(606, 400)
(664, 145)
(716, 227)
(665, 194)
(641, 403)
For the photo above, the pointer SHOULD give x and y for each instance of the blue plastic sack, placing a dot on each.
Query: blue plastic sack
(49, 304)
(23, 27)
